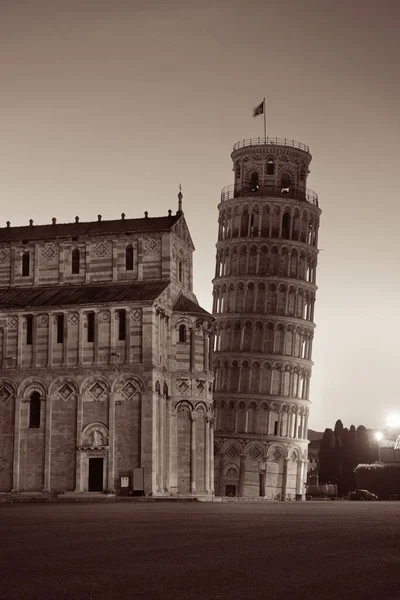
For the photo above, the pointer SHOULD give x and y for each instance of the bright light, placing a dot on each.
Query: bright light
(378, 435)
(393, 420)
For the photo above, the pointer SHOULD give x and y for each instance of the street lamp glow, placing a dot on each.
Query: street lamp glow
(378, 436)
(393, 420)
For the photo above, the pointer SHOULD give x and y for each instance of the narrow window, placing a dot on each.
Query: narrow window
(270, 167)
(182, 333)
(285, 181)
(60, 329)
(29, 330)
(276, 428)
(90, 327)
(26, 259)
(121, 325)
(34, 410)
(254, 182)
(129, 258)
(180, 272)
(286, 225)
(75, 260)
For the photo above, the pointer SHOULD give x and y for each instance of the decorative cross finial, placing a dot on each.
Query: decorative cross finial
(180, 196)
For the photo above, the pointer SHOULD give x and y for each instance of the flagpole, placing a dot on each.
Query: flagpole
(265, 120)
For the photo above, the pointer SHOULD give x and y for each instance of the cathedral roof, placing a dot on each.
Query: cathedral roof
(87, 229)
(80, 294)
(183, 304)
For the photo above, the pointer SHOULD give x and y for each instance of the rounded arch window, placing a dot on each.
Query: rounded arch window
(75, 261)
(254, 182)
(285, 181)
(34, 410)
(182, 333)
(270, 167)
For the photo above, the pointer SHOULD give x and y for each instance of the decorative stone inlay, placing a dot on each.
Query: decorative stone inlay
(49, 252)
(201, 388)
(5, 394)
(12, 322)
(73, 318)
(65, 392)
(255, 453)
(136, 314)
(183, 408)
(277, 455)
(104, 316)
(293, 456)
(129, 390)
(101, 249)
(183, 386)
(4, 255)
(97, 390)
(152, 244)
(43, 321)
(233, 451)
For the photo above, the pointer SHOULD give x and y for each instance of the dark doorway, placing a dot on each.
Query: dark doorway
(230, 490)
(96, 474)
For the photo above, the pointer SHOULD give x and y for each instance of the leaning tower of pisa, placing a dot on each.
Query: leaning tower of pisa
(264, 294)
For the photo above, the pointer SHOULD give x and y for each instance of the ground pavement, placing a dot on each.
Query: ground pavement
(313, 550)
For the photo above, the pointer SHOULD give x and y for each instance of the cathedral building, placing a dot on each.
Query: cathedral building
(264, 295)
(105, 359)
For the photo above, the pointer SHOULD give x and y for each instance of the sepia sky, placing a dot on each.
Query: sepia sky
(107, 106)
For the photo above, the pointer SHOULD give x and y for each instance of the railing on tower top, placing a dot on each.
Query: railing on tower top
(276, 191)
(270, 141)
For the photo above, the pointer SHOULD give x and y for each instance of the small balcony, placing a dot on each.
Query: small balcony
(250, 190)
(271, 141)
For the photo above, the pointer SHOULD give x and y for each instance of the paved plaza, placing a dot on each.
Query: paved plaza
(308, 550)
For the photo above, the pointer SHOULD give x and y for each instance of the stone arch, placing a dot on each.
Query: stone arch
(95, 388)
(8, 390)
(95, 435)
(255, 451)
(276, 453)
(32, 384)
(66, 388)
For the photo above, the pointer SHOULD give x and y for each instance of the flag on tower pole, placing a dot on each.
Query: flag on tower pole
(261, 110)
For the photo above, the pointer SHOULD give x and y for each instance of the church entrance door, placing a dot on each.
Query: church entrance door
(230, 490)
(96, 474)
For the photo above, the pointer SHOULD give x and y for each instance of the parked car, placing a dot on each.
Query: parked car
(362, 495)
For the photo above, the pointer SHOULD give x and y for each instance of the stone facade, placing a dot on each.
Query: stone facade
(264, 294)
(105, 359)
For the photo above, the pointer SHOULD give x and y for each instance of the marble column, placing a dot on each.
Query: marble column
(78, 464)
(17, 442)
(242, 475)
(207, 454)
(285, 478)
(221, 469)
(193, 453)
(167, 471)
(111, 441)
(300, 477)
(211, 485)
(47, 445)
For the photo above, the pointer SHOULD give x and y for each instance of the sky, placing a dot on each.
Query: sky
(106, 107)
